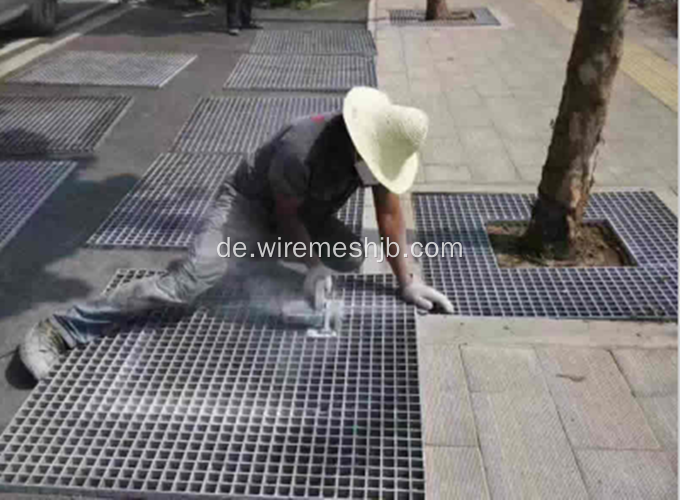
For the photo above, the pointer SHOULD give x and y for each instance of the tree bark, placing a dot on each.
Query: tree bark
(436, 9)
(568, 173)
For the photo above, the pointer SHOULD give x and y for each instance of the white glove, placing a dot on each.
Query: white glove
(318, 279)
(425, 297)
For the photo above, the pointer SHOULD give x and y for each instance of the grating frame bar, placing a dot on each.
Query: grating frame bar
(31, 125)
(106, 69)
(24, 186)
(416, 17)
(302, 72)
(242, 124)
(166, 205)
(326, 42)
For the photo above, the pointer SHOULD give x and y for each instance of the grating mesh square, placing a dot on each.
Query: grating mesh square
(478, 287)
(314, 42)
(242, 124)
(352, 213)
(208, 402)
(64, 124)
(302, 72)
(24, 186)
(166, 205)
(106, 68)
(481, 16)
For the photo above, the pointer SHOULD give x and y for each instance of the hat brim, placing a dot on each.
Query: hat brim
(359, 110)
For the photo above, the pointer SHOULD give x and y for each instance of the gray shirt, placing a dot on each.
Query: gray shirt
(311, 159)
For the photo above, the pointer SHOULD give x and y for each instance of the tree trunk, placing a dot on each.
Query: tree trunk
(568, 172)
(436, 9)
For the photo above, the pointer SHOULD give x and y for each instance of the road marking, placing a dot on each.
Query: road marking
(13, 64)
(654, 73)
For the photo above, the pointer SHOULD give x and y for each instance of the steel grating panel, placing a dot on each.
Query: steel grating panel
(352, 213)
(249, 409)
(64, 124)
(24, 186)
(356, 291)
(242, 124)
(478, 287)
(166, 205)
(106, 68)
(351, 41)
(302, 72)
(416, 17)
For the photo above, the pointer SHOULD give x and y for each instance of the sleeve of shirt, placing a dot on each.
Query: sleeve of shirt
(288, 174)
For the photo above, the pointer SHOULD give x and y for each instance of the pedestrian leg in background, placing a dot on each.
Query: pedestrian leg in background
(233, 13)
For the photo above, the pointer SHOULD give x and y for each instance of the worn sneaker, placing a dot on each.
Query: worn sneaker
(41, 349)
(234, 31)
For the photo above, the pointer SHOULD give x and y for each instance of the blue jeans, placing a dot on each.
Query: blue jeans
(232, 216)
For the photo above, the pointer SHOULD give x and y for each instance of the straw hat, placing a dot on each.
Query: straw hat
(386, 136)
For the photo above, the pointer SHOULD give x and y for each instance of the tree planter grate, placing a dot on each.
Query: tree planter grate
(242, 124)
(166, 205)
(24, 186)
(478, 287)
(208, 403)
(470, 17)
(35, 125)
(314, 42)
(302, 72)
(107, 68)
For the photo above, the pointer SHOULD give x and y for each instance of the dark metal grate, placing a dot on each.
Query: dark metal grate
(478, 287)
(352, 213)
(24, 186)
(40, 124)
(314, 42)
(242, 124)
(203, 402)
(106, 68)
(480, 16)
(166, 205)
(296, 72)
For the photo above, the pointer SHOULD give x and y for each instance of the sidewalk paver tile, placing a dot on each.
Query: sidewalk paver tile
(649, 372)
(497, 369)
(443, 150)
(454, 474)
(448, 419)
(526, 453)
(594, 400)
(446, 173)
(662, 415)
(627, 475)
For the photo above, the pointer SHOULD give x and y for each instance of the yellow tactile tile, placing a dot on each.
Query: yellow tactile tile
(655, 74)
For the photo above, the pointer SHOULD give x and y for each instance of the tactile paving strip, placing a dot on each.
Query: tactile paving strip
(64, 124)
(314, 42)
(415, 17)
(196, 403)
(302, 72)
(478, 287)
(166, 205)
(106, 68)
(24, 185)
(242, 124)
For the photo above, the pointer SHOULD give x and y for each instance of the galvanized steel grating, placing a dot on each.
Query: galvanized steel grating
(302, 72)
(106, 68)
(205, 403)
(24, 186)
(166, 205)
(472, 16)
(242, 124)
(314, 42)
(352, 213)
(478, 287)
(64, 124)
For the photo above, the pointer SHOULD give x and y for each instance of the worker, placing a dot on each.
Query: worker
(240, 16)
(291, 189)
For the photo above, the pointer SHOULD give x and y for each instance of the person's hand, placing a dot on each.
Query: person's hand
(318, 285)
(425, 297)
